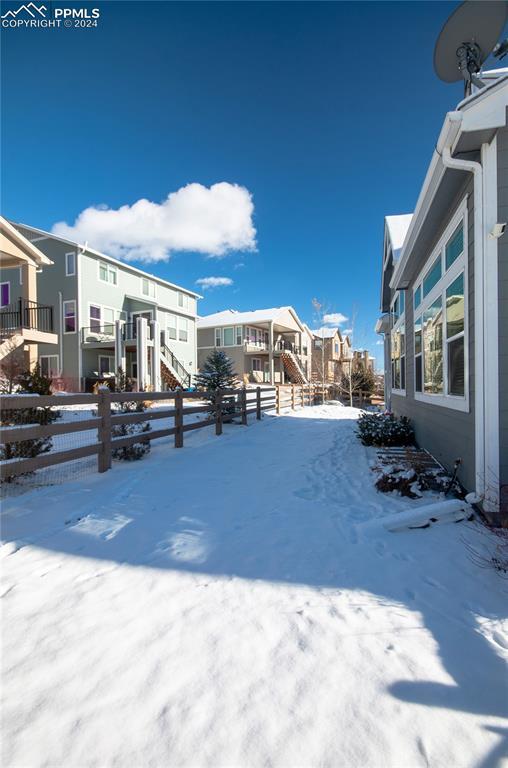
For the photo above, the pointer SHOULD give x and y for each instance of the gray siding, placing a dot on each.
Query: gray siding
(502, 180)
(446, 433)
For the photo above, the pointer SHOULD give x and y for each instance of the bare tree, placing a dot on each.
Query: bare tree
(11, 365)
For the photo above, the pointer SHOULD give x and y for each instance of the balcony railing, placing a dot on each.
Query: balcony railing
(256, 346)
(98, 333)
(288, 346)
(26, 314)
(130, 331)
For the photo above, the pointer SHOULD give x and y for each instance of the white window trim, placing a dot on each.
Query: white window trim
(109, 267)
(67, 273)
(175, 327)
(217, 333)
(106, 357)
(48, 357)
(70, 301)
(227, 328)
(453, 402)
(186, 330)
(6, 282)
(401, 320)
(151, 286)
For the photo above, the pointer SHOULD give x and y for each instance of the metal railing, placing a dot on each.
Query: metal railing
(130, 331)
(180, 371)
(26, 314)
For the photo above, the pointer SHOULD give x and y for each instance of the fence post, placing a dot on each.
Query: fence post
(277, 399)
(178, 418)
(258, 403)
(218, 412)
(104, 431)
(243, 401)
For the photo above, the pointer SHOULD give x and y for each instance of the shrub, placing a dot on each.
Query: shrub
(29, 383)
(383, 429)
(137, 450)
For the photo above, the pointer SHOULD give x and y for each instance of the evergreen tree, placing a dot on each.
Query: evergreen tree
(217, 373)
(137, 450)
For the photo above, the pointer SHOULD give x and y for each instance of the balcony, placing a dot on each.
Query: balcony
(288, 346)
(99, 334)
(29, 319)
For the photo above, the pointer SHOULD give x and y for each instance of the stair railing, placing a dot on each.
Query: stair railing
(181, 373)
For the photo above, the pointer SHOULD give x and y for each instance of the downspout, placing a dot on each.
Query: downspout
(479, 288)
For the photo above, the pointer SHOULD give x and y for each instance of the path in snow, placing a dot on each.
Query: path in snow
(235, 603)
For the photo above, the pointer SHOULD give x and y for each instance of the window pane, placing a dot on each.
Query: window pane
(418, 296)
(5, 294)
(432, 276)
(455, 307)
(418, 373)
(239, 334)
(456, 366)
(144, 286)
(418, 336)
(455, 246)
(103, 271)
(171, 326)
(402, 302)
(44, 365)
(95, 318)
(433, 348)
(112, 275)
(229, 337)
(217, 337)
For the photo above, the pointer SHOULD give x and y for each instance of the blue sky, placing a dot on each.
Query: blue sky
(327, 113)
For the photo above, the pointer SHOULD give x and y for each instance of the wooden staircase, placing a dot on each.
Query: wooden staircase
(168, 378)
(173, 373)
(293, 368)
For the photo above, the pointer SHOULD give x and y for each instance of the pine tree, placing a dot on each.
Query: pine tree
(217, 373)
(137, 450)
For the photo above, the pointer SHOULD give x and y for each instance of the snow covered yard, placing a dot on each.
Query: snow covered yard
(239, 603)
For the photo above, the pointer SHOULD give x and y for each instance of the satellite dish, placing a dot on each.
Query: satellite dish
(467, 39)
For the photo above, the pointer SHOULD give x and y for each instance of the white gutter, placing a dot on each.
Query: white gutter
(476, 169)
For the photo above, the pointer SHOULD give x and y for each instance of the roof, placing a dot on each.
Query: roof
(233, 317)
(397, 227)
(325, 333)
(85, 247)
(22, 242)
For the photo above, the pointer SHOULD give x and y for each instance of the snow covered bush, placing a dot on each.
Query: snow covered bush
(382, 429)
(136, 450)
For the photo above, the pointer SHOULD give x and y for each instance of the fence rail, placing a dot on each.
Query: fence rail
(228, 405)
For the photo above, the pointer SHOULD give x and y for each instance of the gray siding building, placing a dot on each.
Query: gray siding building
(445, 299)
(108, 314)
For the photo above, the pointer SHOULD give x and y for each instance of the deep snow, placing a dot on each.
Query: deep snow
(240, 603)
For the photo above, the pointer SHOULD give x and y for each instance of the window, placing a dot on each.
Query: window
(398, 343)
(109, 320)
(228, 336)
(183, 300)
(336, 347)
(455, 246)
(49, 365)
(183, 329)
(218, 337)
(440, 322)
(432, 277)
(256, 364)
(70, 264)
(418, 296)
(95, 318)
(5, 294)
(69, 313)
(107, 273)
(239, 335)
(171, 326)
(106, 365)
(455, 335)
(433, 348)
(147, 287)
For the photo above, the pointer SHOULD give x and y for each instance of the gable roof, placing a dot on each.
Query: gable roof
(233, 317)
(326, 333)
(44, 235)
(16, 243)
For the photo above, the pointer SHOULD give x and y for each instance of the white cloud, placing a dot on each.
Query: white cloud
(379, 342)
(346, 331)
(335, 318)
(213, 282)
(212, 221)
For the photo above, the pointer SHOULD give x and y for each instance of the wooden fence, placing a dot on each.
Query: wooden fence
(229, 405)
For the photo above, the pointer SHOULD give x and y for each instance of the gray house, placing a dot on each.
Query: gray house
(108, 314)
(266, 345)
(445, 298)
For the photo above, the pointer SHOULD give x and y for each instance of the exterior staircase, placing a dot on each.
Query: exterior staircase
(9, 343)
(173, 373)
(293, 367)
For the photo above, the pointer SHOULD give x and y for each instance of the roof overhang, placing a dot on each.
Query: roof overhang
(16, 250)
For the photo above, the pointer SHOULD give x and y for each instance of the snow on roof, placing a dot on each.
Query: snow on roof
(325, 333)
(232, 316)
(397, 227)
